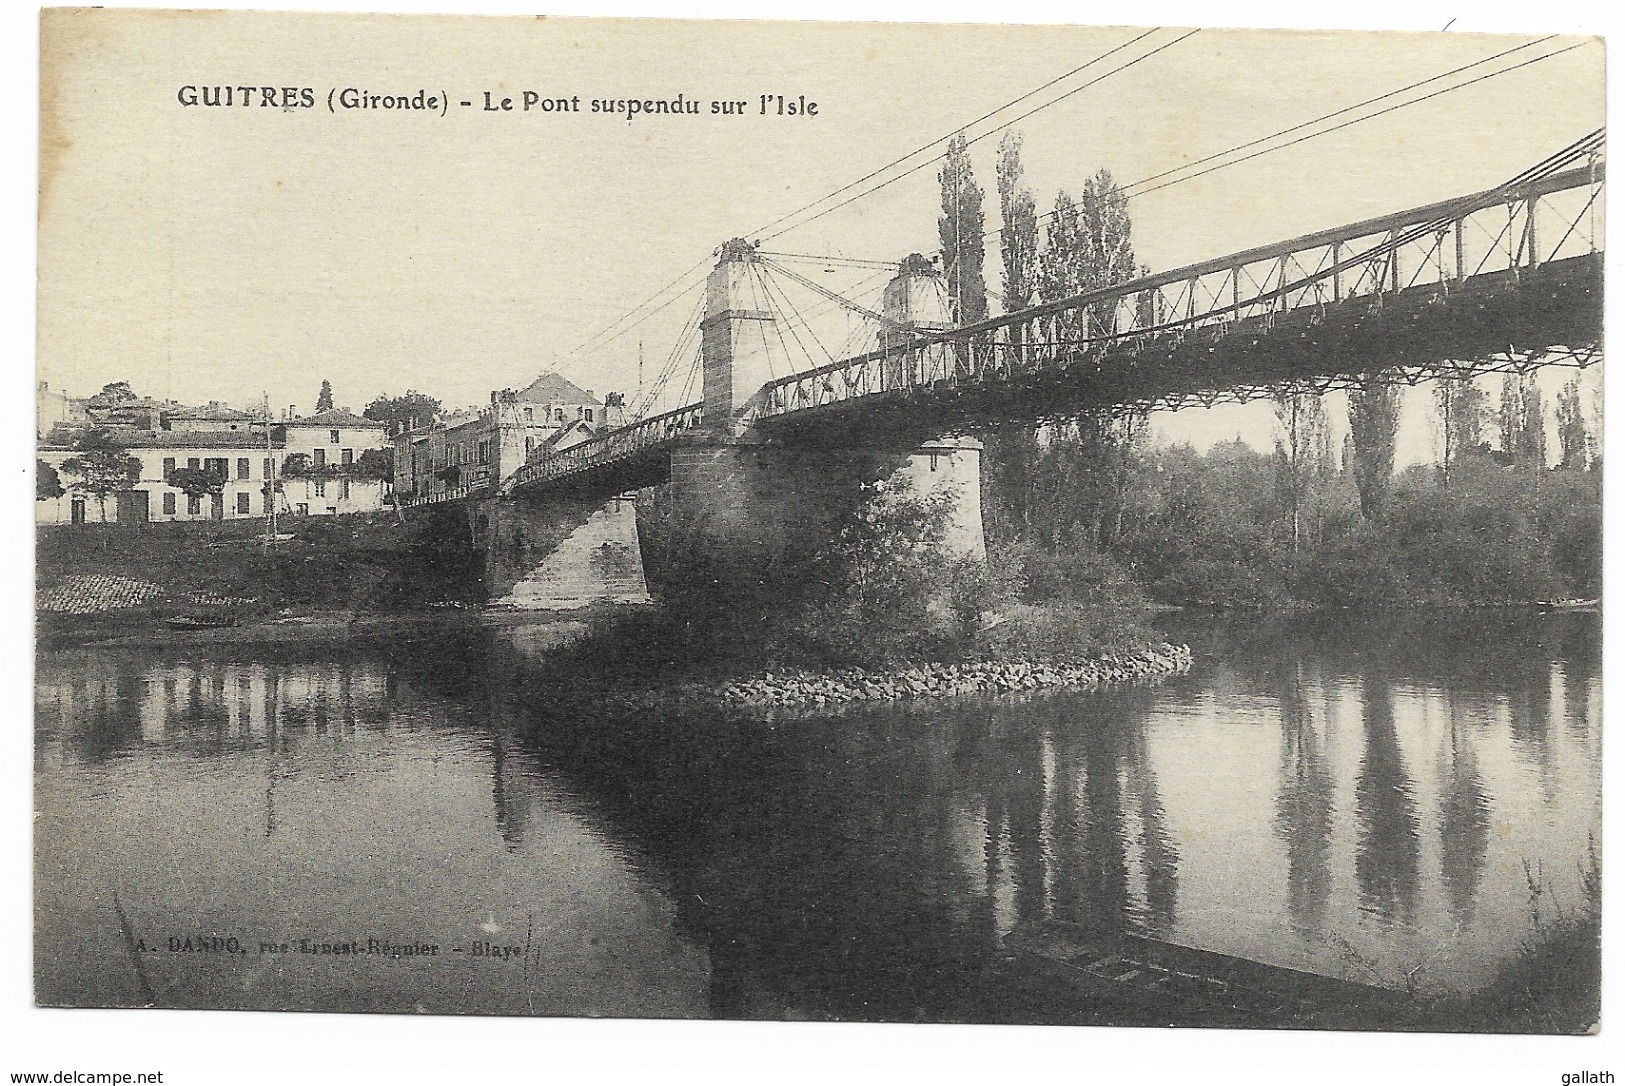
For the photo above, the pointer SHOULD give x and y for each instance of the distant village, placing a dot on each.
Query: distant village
(120, 457)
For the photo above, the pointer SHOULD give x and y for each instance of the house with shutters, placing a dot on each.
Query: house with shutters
(326, 475)
(323, 473)
(240, 459)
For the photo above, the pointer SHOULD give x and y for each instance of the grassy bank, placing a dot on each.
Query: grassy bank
(95, 579)
(1554, 985)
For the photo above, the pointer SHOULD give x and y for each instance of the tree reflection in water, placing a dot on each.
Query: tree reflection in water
(1464, 813)
(870, 865)
(1386, 861)
(1303, 805)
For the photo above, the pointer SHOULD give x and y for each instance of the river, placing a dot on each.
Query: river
(1371, 798)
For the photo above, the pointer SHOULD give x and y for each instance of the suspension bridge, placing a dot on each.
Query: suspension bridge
(1504, 280)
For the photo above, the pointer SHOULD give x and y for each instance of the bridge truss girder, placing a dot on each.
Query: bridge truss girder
(1493, 323)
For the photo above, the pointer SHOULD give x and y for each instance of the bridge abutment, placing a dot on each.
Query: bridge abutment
(561, 555)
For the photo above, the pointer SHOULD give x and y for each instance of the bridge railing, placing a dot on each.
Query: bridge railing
(1500, 231)
(606, 448)
(443, 494)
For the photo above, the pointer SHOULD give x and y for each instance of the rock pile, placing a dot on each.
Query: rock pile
(94, 593)
(819, 689)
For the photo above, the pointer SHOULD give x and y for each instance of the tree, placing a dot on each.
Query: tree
(404, 412)
(1122, 438)
(1522, 424)
(324, 398)
(1077, 472)
(1107, 257)
(1573, 437)
(1059, 275)
(1088, 246)
(47, 483)
(103, 465)
(1373, 426)
(196, 482)
(1012, 450)
(295, 465)
(1460, 406)
(375, 464)
(960, 230)
(1018, 231)
(1302, 417)
(113, 394)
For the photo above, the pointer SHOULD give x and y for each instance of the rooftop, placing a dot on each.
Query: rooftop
(163, 439)
(336, 417)
(214, 411)
(551, 388)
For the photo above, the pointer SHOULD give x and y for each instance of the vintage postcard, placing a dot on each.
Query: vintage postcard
(847, 522)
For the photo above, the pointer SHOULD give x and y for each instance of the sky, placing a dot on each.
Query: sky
(234, 254)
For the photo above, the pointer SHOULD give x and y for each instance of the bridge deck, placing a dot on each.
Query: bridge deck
(1490, 282)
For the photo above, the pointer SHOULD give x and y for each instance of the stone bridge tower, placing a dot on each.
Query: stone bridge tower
(748, 487)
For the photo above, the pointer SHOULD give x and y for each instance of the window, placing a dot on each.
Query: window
(242, 469)
(333, 437)
(530, 414)
(169, 503)
(530, 445)
(347, 457)
(344, 490)
(320, 459)
(321, 489)
(219, 465)
(169, 469)
(267, 467)
(242, 503)
(303, 509)
(558, 414)
(193, 462)
(587, 414)
(194, 505)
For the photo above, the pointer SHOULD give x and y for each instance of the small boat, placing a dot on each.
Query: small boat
(1570, 605)
(200, 622)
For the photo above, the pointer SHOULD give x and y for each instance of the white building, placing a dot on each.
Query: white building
(241, 459)
(328, 476)
(331, 445)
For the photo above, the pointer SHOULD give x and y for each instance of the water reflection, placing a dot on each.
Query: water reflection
(1386, 864)
(1305, 797)
(1303, 808)
(1464, 812)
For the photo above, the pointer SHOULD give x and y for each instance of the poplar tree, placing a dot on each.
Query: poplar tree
(960, 230)
(324, 398)
(1012, 454)
(1302, 417)
(1018, 231)
(1460, 406)
(1522, 422)
(1573, 437)
(1373, 426)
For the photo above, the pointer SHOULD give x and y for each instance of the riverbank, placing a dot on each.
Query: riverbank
(335, 577)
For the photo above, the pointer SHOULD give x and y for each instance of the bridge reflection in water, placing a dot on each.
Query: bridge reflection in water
(1355, 801)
